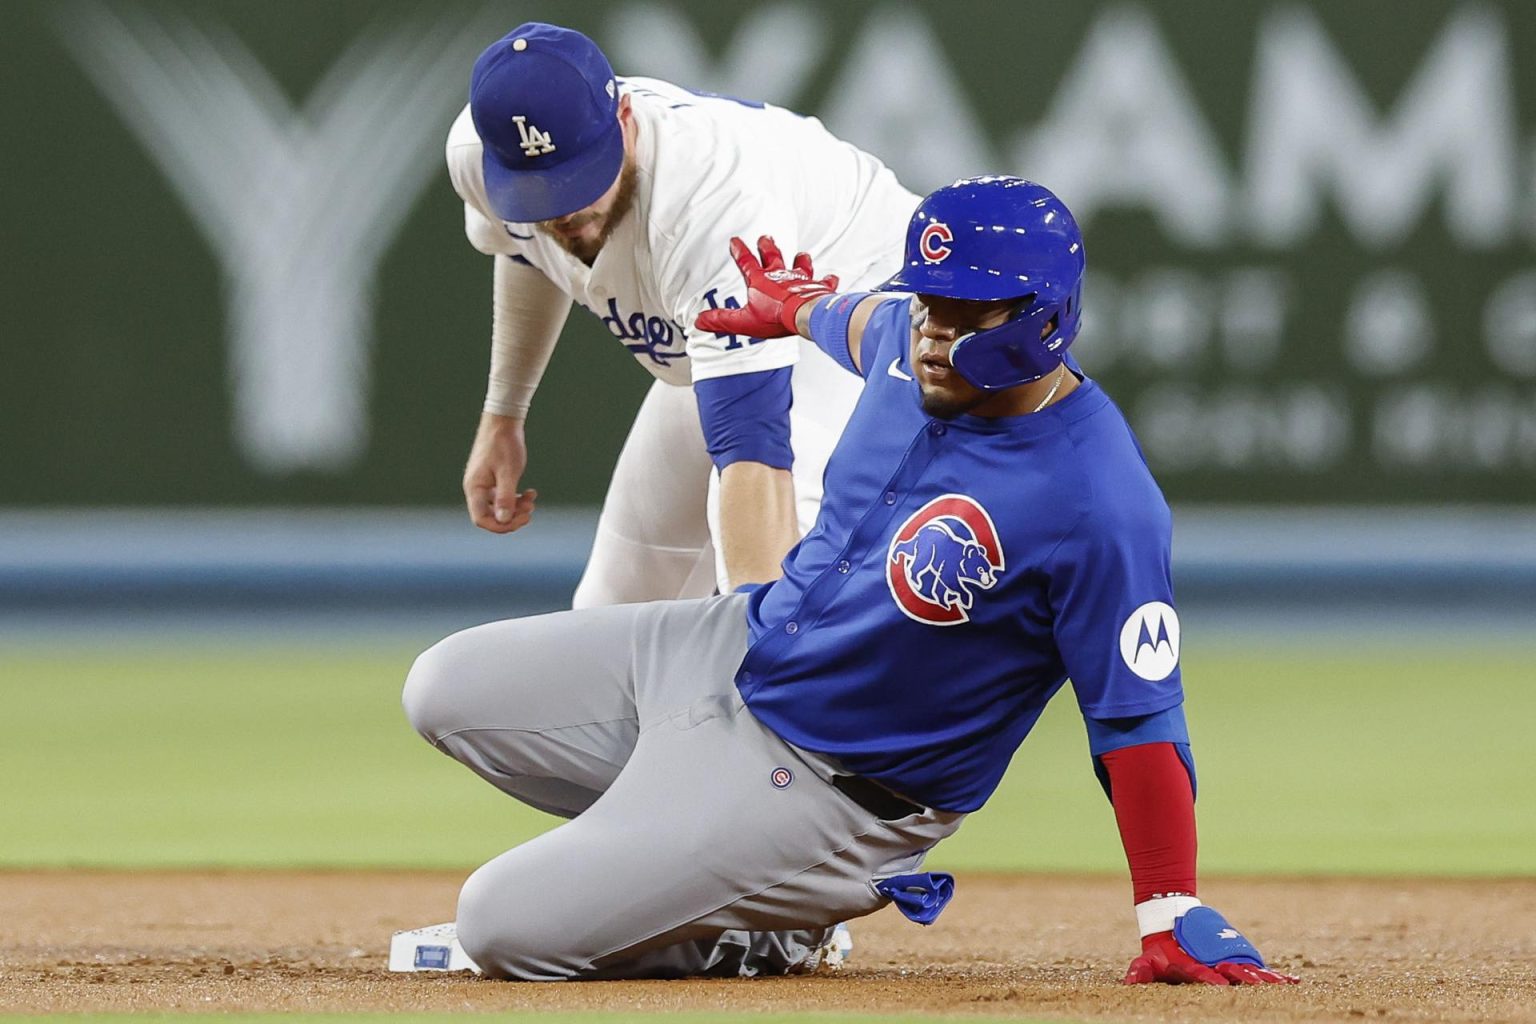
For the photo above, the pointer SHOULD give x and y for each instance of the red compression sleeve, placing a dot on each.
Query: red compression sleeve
(1155, 809)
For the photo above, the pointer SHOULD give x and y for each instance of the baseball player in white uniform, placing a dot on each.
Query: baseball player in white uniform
(620, 194)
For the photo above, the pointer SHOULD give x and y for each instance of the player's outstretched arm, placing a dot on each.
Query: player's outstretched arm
(1182, 941)
(780, 299)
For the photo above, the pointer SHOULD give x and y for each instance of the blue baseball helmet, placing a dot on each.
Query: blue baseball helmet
(992, 238)
(545, 104)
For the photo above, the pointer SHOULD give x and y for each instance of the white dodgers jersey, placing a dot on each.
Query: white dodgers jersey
(709, 167)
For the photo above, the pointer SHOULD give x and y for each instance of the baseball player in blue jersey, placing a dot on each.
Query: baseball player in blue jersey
(745, 771)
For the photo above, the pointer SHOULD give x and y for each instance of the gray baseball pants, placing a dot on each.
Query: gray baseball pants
(698, 842)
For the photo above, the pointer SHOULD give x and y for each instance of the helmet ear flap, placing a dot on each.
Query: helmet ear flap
(1030, 344)
(1071, 316)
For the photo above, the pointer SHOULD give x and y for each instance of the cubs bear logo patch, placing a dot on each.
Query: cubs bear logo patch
(939, 559)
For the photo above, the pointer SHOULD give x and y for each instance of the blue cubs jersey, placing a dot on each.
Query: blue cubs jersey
(959, 572)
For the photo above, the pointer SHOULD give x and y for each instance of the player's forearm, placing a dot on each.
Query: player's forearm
(856, 324)
(757, 521)
(1155, 811)
(528, 312)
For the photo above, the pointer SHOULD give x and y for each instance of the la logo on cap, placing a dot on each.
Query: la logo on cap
(535, 142)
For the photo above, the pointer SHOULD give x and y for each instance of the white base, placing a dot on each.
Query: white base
(841, 946)
(433, 948)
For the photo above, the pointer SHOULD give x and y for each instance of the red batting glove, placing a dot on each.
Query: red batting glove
(774, 293)
(1164, 960)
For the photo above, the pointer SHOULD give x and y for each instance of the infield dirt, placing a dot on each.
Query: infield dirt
(1008, 946)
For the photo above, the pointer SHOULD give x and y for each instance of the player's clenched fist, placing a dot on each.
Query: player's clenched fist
(496, 463)
(775, 293)
(1202, 949)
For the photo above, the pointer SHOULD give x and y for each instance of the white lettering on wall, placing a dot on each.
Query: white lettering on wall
(1440, 427)
(299, 206)
(1313, 133)
(1301, 427)
(1389, 328)
(1124, 130)
(1509, 325)
(1253, 318)
(899, 96)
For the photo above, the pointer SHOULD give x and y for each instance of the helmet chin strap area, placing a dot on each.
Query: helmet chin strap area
(1011, 353)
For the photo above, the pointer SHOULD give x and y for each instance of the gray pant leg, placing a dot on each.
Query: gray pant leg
(485, 697)
(532, 706)
(694, 860)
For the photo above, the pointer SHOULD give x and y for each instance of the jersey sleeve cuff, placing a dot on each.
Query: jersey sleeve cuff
(745, 418)
(1165, 726)
(1131, 709)
(726, 366)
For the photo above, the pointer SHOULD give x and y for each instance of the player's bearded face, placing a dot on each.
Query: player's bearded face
(583, 233)
(937, 322)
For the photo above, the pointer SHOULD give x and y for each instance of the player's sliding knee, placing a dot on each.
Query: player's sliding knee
(458, 682)
(508, 933)
(426, 697)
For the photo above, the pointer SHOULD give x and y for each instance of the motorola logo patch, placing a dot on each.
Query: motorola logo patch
(1149, 641)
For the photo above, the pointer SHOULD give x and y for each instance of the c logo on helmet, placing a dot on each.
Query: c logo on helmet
(934, 242)
(941, 556)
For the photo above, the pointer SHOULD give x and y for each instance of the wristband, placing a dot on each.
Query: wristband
(829, 325)
(1158, 913)
(789, 309)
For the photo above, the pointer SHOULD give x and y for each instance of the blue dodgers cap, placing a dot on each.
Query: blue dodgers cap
(545, 104)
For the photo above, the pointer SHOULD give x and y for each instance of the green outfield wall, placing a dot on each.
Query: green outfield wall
(234, 271)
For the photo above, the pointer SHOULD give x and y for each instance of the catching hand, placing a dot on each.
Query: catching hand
(774, 293)
(1202, 951)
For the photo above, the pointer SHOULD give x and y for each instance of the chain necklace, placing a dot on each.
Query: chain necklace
(1055, 387)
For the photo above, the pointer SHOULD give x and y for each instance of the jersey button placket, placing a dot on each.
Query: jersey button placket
(890, 497)
(844, 566)
(937, 429)
(791, 627)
